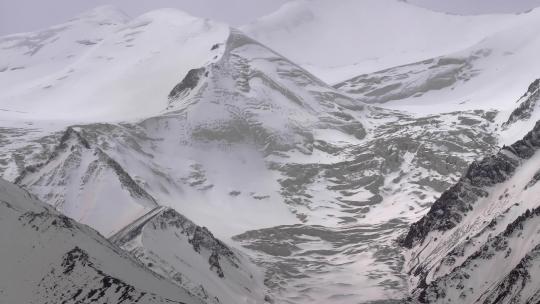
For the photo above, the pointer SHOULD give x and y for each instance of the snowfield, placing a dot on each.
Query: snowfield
(102, 66)
(337, 41)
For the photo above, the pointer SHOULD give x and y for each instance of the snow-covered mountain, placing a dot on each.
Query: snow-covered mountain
(102, 65)
(340, 40)
(49, 258)
(300, 188)
(479, 242)
(468, 79)
(478, 55)
(305, 158)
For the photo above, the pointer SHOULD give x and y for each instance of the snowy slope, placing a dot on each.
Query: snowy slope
(174, 247)
(49, 258)
(79, 180)
(479, 242)
(102, 66)
(340, 40)
(492, 74)
(354, 201)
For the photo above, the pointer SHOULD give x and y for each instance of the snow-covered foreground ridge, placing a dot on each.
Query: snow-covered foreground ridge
(49, 258)
(170, 122)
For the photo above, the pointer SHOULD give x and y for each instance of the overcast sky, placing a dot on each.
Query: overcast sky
(27, 15)
(478, 6)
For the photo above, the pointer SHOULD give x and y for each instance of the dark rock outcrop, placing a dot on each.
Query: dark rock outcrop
(188, 83)
(457, 201)
(526, 107)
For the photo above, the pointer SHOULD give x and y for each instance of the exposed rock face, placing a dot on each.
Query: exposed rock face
(99, 288)
(479, 241)
(412, 80)
(190, 82)
(516, 282)
(456, 202)
(527, 105)
(519, 286)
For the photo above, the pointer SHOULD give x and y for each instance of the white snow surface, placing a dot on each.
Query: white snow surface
(102, 66)
(337, 40)
(503, 66)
